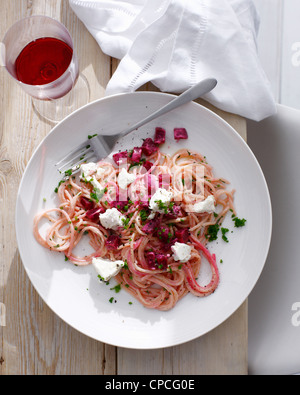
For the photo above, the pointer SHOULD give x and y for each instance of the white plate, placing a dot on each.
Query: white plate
(75, 294)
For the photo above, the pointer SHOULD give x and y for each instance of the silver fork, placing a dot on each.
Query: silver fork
(100, 147)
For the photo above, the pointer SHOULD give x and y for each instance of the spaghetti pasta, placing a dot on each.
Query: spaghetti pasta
(146, 239)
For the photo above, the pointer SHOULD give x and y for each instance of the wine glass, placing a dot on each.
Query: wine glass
(38, 53)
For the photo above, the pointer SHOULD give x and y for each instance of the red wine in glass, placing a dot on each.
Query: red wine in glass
(38, 52)
(43, 61)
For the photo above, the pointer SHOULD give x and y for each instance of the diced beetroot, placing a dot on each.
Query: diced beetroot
(86, 203)
(162, 261)
(160, 136)
(120, 157)
(174, 212)
(144, 204)
(163, 233)
(149, 147)
(151, 226)
(148, 165)
(182, 235)
(157, 260)
(180, 134)
(119, 205)
(167, 246)
(113, 242)
(150, 258)
(93, 214)
(137, 154)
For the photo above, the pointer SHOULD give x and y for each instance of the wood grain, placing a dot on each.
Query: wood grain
(35, 341)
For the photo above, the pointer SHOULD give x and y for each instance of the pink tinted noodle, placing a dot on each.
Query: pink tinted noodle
(154, 286)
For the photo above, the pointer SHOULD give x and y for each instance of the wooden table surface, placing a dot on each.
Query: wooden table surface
(33, 340)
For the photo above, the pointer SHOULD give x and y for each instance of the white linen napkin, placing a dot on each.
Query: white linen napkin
(176, 43)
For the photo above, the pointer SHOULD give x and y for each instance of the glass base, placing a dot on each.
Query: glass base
(56, 110)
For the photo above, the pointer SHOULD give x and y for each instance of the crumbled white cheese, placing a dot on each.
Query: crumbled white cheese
(163, 196)
(87, 169)
(112, 219)
(206, 206)
(125, 179)
(107, 269)
(181, 252)
(100, 172)
(151, 216)
(96, 184)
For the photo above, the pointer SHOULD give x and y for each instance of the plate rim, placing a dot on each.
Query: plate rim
(266, 192)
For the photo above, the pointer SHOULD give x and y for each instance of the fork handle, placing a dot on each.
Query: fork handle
(196, 91)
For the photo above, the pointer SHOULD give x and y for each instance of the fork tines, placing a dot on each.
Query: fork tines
(75, 158)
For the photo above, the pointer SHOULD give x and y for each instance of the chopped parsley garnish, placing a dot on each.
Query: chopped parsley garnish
(117, 288)
(97, 195)
(171, 205)
(111, 300)
(59, 184)
(143, 215)
(92, 136)
(68, 173)
(212, 232)
(224, 231)
(162, 206)
(137, 163)
(125, 222)
(238, 223)
(125, 264)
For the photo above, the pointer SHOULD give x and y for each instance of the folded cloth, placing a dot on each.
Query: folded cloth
(176, 43)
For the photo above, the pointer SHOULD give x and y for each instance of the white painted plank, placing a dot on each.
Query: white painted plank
(270, 41)
(290, 78)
